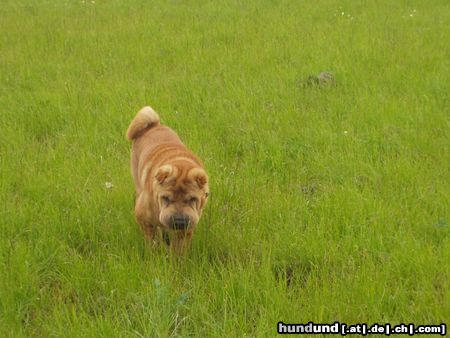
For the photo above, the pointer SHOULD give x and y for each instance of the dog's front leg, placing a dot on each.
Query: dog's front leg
(143, 217)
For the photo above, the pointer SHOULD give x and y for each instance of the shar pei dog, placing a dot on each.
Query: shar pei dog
(171, 182)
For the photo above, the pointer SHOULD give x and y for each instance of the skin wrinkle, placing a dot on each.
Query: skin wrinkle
(156, 159)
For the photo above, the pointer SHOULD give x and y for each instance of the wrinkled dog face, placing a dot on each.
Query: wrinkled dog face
(181, 193)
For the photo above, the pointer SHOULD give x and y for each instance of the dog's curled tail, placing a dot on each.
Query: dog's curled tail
(145, 119)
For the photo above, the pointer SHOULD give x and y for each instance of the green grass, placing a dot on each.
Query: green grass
(327, 204)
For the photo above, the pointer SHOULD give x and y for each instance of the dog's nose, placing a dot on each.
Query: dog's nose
(179, 222)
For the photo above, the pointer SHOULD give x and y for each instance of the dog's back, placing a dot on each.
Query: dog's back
(153, 143)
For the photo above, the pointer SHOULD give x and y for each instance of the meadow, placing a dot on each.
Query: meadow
(328, 203)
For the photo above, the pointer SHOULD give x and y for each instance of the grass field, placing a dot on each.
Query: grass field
(327, 203)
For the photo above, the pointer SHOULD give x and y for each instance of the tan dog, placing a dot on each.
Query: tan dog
(171, 183)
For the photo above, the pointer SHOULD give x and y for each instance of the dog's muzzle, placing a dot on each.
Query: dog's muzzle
(179, 222)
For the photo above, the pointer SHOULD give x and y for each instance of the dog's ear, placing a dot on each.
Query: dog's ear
(163, 172)
(200, 177)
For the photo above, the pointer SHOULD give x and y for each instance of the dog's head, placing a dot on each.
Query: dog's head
(181, 192)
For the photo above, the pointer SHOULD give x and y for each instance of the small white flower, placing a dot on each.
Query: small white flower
(93, 1)
(411, 14)
(342, 13)
(345, 132)
(109, 185)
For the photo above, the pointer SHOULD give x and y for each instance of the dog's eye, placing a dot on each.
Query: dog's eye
(166, 199)
(193, 200)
